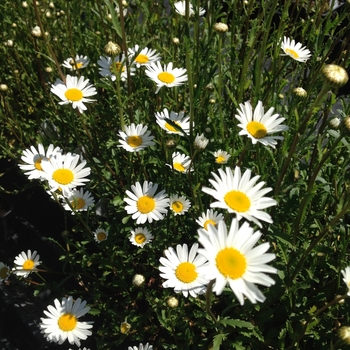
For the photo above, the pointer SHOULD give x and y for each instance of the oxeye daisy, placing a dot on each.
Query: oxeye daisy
(346, 279)
(259, 126)
(166, 76)
(179, 204)
(295, 50)
(79, 201)
(145, 204)
(63, 321)
(211, 217)
(26, 263)
(239, 194)
(221, 157)
(180, 8)
(100, 235)
(232, 260)
(143, 57)
(200, 142)
(182, 121)
(74, 91)
(111, 67)
(184, 270)
(63, 173)
(141, 347)
(140, 237)
(181, 162)
(80, 62)
(4, 272)
(135, 138)
(33, 158)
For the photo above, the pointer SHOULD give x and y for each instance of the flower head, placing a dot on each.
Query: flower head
(179, 204)
(346, 279)
(200, 142)
(166, 76)
(36, 32)
(138, 280)
(179, 119)
(259, 126)
(300, 92)
(74, 91)
(211, 217)
(26, 263)
(143, 57)
(221, 27)
(344, 334)
(125, 327)
(4, 271)
(80, 62)
(232, 260)
(79, 201)
(63, 323)
(335, 75)
(140, 237)
(183, 270)
(295, 50)
(141, 347)
(221, 157)
(111, 67)
(238, 194)
(135, 138)
(100, 235)
(180, 8)
(181, 163)
(112, 49)
(145, 204)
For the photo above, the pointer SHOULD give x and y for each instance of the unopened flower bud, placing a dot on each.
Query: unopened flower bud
(334, 123)
(36, 32)
(335, 75)
(345, 124)
(344, 334)
(221, 27)
(300, 92)
(138, 280)
(176, 41)
(3, 87)
(112, 49)
(200, 142)
(9, 43)
(24, 4)
(125, 327)
(173, 302)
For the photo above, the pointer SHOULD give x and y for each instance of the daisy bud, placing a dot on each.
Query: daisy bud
(281, 96)
(48, 14)
(170, 144)
(345, 124)
(176, 41)
(48, 69)
(334, 123)
(212, 101)
(9, 43)
(344, 334)
(173, 302)
(14, 25)
(335, 75)
(36, 32)
(51, 5)
(3, 87)
(221, 27)
(125, 327)
(4, 271)
(138, 280)
(62, 12)
(124, 3)
(200, 142)
(300, 92)
(24, 4)
(112, 49)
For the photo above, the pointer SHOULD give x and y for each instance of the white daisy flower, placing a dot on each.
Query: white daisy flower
(100, 235)
(140, 236)
(62, 172)
(111, 67)
(181, 162)
(75, 91)
(63, 322)
(211, 217)
(180, 8)
(167, 76)
(239, 194)
(346, 279)
(232, 260)
(135, 138)
(260, 126)
(200, 142)
(26, 263)
(221, 157)
(79, 201)
(177, 118)
(80, 62)
(141, 347)
(183, 270)
(33, 158)
(143, 57)
(144, 204)
(4, 272)
(295, 50)
(179, 204)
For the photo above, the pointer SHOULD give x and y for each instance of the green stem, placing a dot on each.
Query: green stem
(208, 300)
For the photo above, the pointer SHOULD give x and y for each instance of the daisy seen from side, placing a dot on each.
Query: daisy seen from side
(179, 205)
(62, 322)
(200, 142)
(221, 157)
(144, 57)
(4, 272)
(241, 195)
(181, 163)
(135, 138)
(211, 217)
(141, 347)
(33, 158)
(184, 270)
(232, 260)
(79, 201)
(180, 8)
(260, 126)
(144, 204)
(80, 62)
(140, 237)
(166, 75)
(346, 278)
(64, 173)
(26, 263)
(182, 121)
(75, 91)
(295, 50)
(113, 67)
(100, 235)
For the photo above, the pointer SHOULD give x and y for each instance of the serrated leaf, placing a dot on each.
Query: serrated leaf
(217, 341)
(236, 323)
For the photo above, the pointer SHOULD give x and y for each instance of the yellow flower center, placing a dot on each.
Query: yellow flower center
(146, 204)
(186, 272)
(209, 222)
(37, 164)
(116, 67)
(166, 77)
(125, 328)
(101, 236)
(78, 203)
(67, 322)
(28, 265)
(256, 129)
(220, 159)
(63, 176)
(134, 141)
(141, 59)
(73, 94)
(177, 206)
(4, 272)
(179, 167)
(231, 263)
(78, 65)
(171, 128)
(292, 53)
(140, 238)
(237, 201)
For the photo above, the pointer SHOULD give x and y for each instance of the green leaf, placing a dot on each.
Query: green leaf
(218, 341)
(236, 323)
